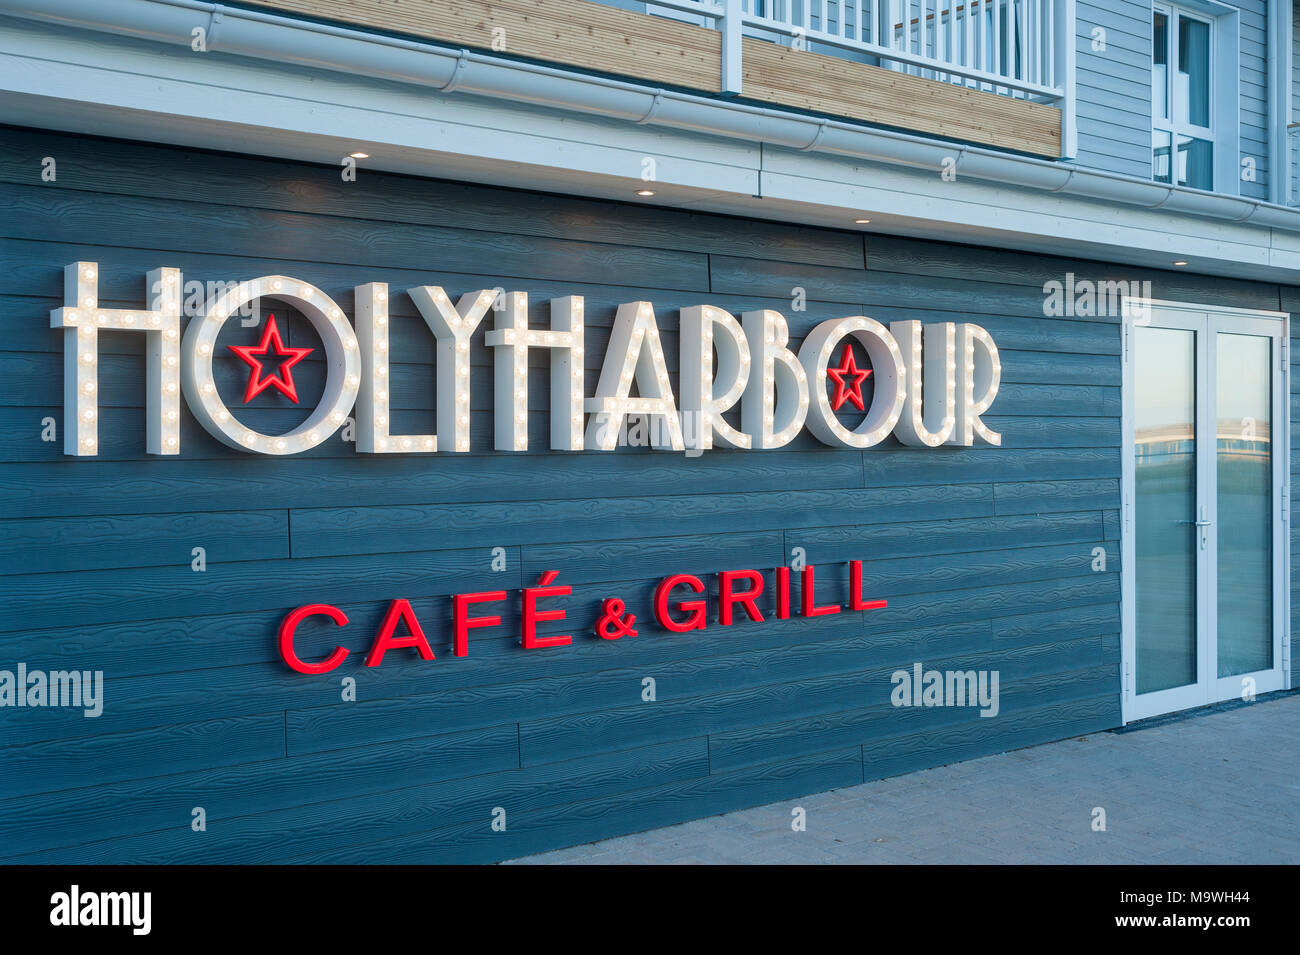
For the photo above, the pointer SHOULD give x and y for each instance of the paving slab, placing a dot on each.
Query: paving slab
(1215, 786)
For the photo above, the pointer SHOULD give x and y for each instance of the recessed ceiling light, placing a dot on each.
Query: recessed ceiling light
(359, 155)
(645, 192)
(1180, 262)
(861, 221)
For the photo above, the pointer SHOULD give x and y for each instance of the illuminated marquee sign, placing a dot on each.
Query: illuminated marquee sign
(931, 383)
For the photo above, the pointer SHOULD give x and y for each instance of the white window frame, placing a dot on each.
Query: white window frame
(1174, 14)
(1225, 97)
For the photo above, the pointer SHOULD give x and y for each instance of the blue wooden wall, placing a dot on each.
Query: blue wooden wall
(1253, 101)
(1114, 86)
(984, 554)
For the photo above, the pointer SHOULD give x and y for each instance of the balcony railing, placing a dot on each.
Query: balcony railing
(1018, 48)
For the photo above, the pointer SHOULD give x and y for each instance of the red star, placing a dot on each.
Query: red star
(283, 378)
(845, 391)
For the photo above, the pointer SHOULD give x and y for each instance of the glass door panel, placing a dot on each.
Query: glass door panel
(1165, 479)
(1244, 522)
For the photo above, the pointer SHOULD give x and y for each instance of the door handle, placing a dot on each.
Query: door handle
(1202, 524)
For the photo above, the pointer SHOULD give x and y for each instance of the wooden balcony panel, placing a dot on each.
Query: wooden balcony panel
(570, 32)
(828, 84)
(662, 51)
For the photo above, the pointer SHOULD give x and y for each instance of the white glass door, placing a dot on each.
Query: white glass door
(1204, 525)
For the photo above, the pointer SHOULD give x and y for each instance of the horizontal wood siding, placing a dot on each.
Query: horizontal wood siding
(1113, 67)
(985, 554)
(1253, 105)
(1295, 74)
(821, 83)
(574, 32)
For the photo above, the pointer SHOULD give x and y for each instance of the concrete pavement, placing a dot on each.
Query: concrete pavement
(1221, 786)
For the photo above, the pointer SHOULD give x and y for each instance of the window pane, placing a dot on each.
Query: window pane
(1161, 166)
(1195, 163)
(1160, 66)
(1193, 96)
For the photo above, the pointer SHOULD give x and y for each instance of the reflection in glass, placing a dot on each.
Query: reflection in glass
(1161, 160)
(1245, 504)
(1160, 65)
(1195, 162)
(1165, 504)
(1192, 160)
(1193, 77)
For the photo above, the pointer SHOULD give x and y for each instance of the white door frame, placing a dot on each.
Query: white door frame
(1209, 688)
